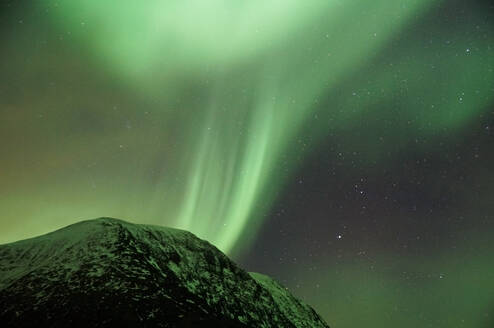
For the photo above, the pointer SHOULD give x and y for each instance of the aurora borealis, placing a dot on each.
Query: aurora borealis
(345, 148)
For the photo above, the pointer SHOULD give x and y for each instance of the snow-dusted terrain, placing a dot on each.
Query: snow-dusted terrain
(111, 273)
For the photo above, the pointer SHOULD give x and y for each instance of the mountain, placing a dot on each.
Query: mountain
(111, 273)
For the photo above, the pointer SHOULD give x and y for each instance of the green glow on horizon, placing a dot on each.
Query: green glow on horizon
(447, 288)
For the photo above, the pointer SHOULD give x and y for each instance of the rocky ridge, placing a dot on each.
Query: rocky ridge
(108, 273)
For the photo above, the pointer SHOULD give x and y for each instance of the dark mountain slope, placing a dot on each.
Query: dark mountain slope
(110, 273)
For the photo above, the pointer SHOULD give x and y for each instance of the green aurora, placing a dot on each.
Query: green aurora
(232, 86)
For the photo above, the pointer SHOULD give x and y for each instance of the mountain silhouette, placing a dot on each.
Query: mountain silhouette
(110, 273)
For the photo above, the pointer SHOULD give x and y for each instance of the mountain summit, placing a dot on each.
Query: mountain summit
(111, 273)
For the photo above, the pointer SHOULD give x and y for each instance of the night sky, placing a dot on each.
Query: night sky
(346, 148)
